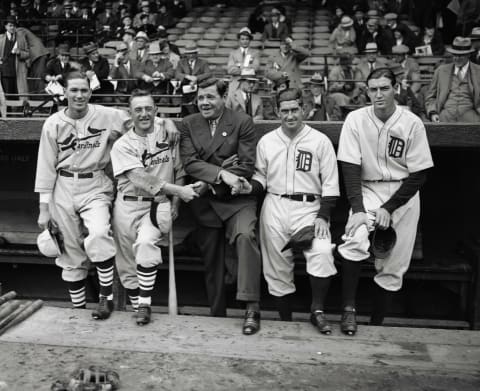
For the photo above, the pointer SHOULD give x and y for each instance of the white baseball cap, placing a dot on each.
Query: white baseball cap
(48, 245)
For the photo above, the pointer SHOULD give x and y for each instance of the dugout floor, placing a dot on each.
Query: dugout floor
(203, 353)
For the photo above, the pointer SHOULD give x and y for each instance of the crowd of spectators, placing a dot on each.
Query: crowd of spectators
(364, 35)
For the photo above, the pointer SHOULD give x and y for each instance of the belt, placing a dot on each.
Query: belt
(300, 197)
(137, 198)
(81, 175)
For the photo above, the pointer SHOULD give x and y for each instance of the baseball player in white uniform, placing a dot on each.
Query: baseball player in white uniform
(75, 193)
(147, 171)
(384, 154)
(297, 167)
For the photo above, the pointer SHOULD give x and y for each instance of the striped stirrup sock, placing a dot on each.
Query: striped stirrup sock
(78, 293)
(105, 277)
(133, 296)
(146, 280)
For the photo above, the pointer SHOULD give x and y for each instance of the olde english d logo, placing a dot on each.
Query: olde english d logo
(303, 160)
(396, 146)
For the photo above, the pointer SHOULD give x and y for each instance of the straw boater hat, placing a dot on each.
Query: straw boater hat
(317, 79)
(141, 35)
(90, 47)
(391, 16)
(248, 74)
(245, 31)
(373, 14)
(371, 47)
(461, 45)
(190, 48)
(346, 21)
(400, 49)
(122, 47)
(475, 34)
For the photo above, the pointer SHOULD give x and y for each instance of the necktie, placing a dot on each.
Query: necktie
(244, 53)
(190, 63)
(248, 104)
(213, 127)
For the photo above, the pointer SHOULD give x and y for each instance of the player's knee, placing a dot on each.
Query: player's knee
(322, 246)
(355, 247)
(98, 232)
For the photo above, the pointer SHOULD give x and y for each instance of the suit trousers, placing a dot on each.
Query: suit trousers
(239, 229)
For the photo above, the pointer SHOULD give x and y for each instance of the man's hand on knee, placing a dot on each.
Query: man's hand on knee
(354, 222)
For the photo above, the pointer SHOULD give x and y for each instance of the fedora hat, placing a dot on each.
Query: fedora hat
(90, 47)
(10, 19)
(141, 35)
(245, 31)
(145, 3)
(190, 48)
(25, 3)
(154, 48)
(371, 47)
(475, 34)
(391, 16)
(317, 79)
(346, 21)
(400, 49)
(461, 45)
(373, 14)
(122, 47)
(248, 74)
(67, 5)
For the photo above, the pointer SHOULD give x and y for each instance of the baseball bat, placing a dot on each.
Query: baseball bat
(24, 313)
(172, 288)
(7, 296)
(7, 308)
(12, 315)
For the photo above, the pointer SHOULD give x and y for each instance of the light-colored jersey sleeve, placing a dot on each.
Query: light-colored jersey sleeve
(328, 169)
(46, 173)
(261, 164)
(124, 157)
(418, 156)
(349, 143)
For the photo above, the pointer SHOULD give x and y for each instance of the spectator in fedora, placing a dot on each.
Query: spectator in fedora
(86, 24)
(275, 29)
(371, 60)
(164, 17)
(107, 23)
(318, 105)
(129, 38)
(454, 93)
(140, 50)
(155, 74)
(125, 24)
(287, 63)
(147, 27)
(346, 83)
(145, 9)
(124, 68)
(373, 33)
(475, 38)
(95, 65)
(14, 55)
(163, 37)
(397, 31)
(245, 99)
(241, 58)
(343, 38)
(58, 67)
(190, 71)
(408, 65)
(404, 96)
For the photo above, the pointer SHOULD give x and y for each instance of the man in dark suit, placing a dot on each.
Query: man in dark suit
(217, 147)
(58, 67)
(124, 68)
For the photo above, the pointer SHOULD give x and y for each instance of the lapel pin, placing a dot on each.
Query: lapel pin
(224, 134)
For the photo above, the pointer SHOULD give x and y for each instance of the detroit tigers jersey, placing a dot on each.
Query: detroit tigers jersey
(151, 153)
(81, 145)
(387, 151)
(304, 164)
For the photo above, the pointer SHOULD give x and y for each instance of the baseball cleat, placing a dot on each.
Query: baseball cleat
(144, 314)
(320, 321)
(104, 309)
(348, 324)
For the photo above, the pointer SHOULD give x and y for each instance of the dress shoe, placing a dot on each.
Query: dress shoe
(348, 324)
(144, 314)
(104, 309)
(320, 321)
(251, 324)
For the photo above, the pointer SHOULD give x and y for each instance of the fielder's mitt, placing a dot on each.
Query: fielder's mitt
(89, 379)
(382, 242)
(301, 240)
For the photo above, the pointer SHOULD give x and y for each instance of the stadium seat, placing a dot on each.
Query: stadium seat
(271, 44)
(301, 23)
(321, 50)
(217, 60)
(112, 44)
(215, 30)
(187, 19)
(207, 43)
(228, 44)
(177, 31)
(256, 44)
(183, 43)
(182, 25)
(208, 19)
(296, 29)
(320, 43)
(213, 36)
(191, 37)
(196, 30)
(231, 36)
(223, 25)
(320, 29)
(205, 52)
(223, 51)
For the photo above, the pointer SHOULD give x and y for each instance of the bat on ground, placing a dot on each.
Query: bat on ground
(24, 313)
(7, 308)
(172, 288)
(7, 296)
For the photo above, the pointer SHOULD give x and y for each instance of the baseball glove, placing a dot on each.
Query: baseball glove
(92, 378)
(382, 242)
(301, 240)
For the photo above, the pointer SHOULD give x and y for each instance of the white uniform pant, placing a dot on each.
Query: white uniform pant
(279, 220)
(79, 203)
(137, 238)
(390, 270)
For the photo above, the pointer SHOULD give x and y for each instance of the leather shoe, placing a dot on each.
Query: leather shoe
(104, 309)
(348, 324)
(143, 314)
(320, 321)
(251, 323)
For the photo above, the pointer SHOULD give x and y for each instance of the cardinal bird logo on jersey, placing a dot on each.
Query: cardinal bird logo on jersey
(72, 142)
(303, 160)
(396, 146)
(95, 131)
(162, 147)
